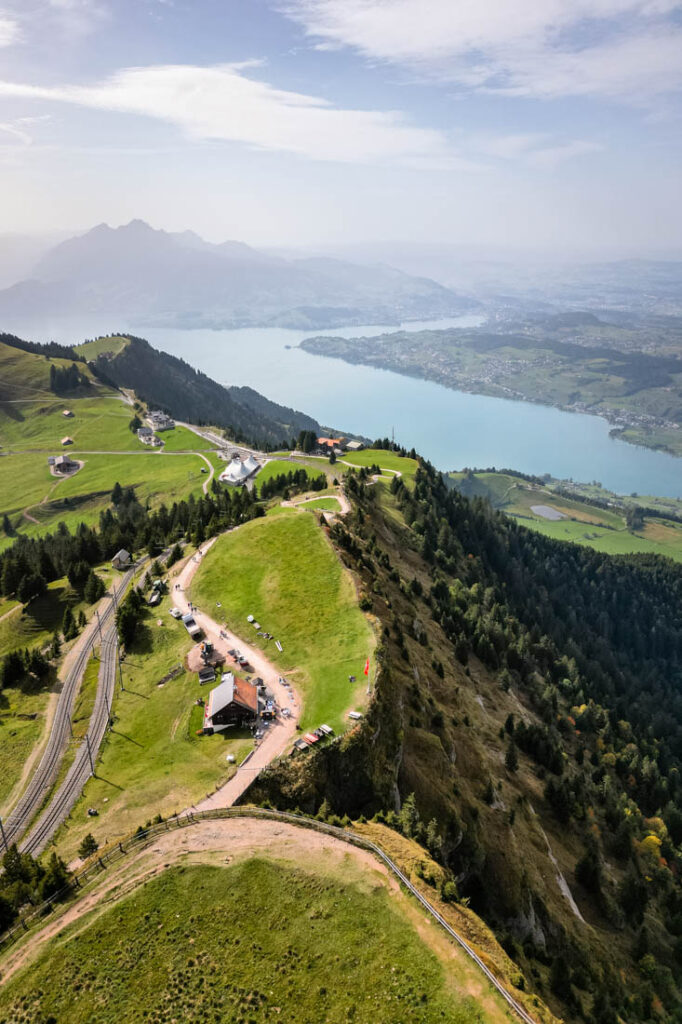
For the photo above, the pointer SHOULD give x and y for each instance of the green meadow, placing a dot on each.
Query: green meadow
(387, 461)
(27, 488)
(283, 570)
(256, 941)
(604, 530)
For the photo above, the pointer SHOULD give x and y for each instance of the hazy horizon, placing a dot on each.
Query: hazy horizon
(550, 129)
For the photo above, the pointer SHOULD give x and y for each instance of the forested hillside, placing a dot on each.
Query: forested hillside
(528, 695)
(169, 383)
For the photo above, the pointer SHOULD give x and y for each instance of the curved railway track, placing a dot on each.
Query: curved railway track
(43, 778)
(80, 771)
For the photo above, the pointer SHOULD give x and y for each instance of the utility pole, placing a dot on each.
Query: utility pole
(4, 837)
(118, 659)
(87, 743)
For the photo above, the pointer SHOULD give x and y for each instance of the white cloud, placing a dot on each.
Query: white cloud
(222, 103)
(9, 30)
(541, 48)
(536, 149)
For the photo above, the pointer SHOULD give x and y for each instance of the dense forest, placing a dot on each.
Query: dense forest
(585, 652)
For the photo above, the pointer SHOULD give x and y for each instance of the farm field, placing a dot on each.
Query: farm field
(258, 940)
(152, 761)
(291, 579)
(602, 529)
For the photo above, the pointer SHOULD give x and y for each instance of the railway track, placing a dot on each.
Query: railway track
(82, 768)
(43, 778)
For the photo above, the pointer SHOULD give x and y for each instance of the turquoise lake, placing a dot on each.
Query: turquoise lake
(453, 429)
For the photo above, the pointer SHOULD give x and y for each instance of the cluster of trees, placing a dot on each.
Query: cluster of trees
(18, 667)
(25, 882)
(64, 380)
(306, 441)
(293, 482)
(51, 350)
(31, 563)
(128, 616)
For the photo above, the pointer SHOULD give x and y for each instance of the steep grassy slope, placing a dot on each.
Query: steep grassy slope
(531, 835)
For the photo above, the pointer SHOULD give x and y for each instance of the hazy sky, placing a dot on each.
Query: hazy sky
(529, 123)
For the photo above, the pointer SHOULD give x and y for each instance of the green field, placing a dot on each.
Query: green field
(153, 761)
(27, 485)
(329, 504)
(182, 440)
(275, 467)
(100, 422)
(252, 942)
(388, 461)
(100, 346)
(22, 718)
(602, 529)
(34, 625)
(283, 570)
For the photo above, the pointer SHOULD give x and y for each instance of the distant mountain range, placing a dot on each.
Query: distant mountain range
(157, 278)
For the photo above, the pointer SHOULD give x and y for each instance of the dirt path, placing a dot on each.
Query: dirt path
(304, 499)
(282, 731)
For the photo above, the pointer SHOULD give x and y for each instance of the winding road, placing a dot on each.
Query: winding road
(282, 730)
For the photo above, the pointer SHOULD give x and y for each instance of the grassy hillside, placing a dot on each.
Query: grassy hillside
(284, 571)
(32, 425)
(258, 940)
(170, 383)
(604, 529)
(389, 461)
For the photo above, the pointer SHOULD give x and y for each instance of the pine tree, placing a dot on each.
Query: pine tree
(511, 760)
(88, 846)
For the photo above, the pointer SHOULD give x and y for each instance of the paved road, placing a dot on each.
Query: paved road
(45, 774)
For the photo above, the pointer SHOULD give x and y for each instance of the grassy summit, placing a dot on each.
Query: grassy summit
(253, 942)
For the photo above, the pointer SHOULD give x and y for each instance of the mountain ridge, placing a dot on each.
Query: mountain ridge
(163, 278)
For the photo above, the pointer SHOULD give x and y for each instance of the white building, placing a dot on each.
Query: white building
(239, 471)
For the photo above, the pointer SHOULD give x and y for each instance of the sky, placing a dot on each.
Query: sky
(539, 126)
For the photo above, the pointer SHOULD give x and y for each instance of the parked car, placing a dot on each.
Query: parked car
(176, 613)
